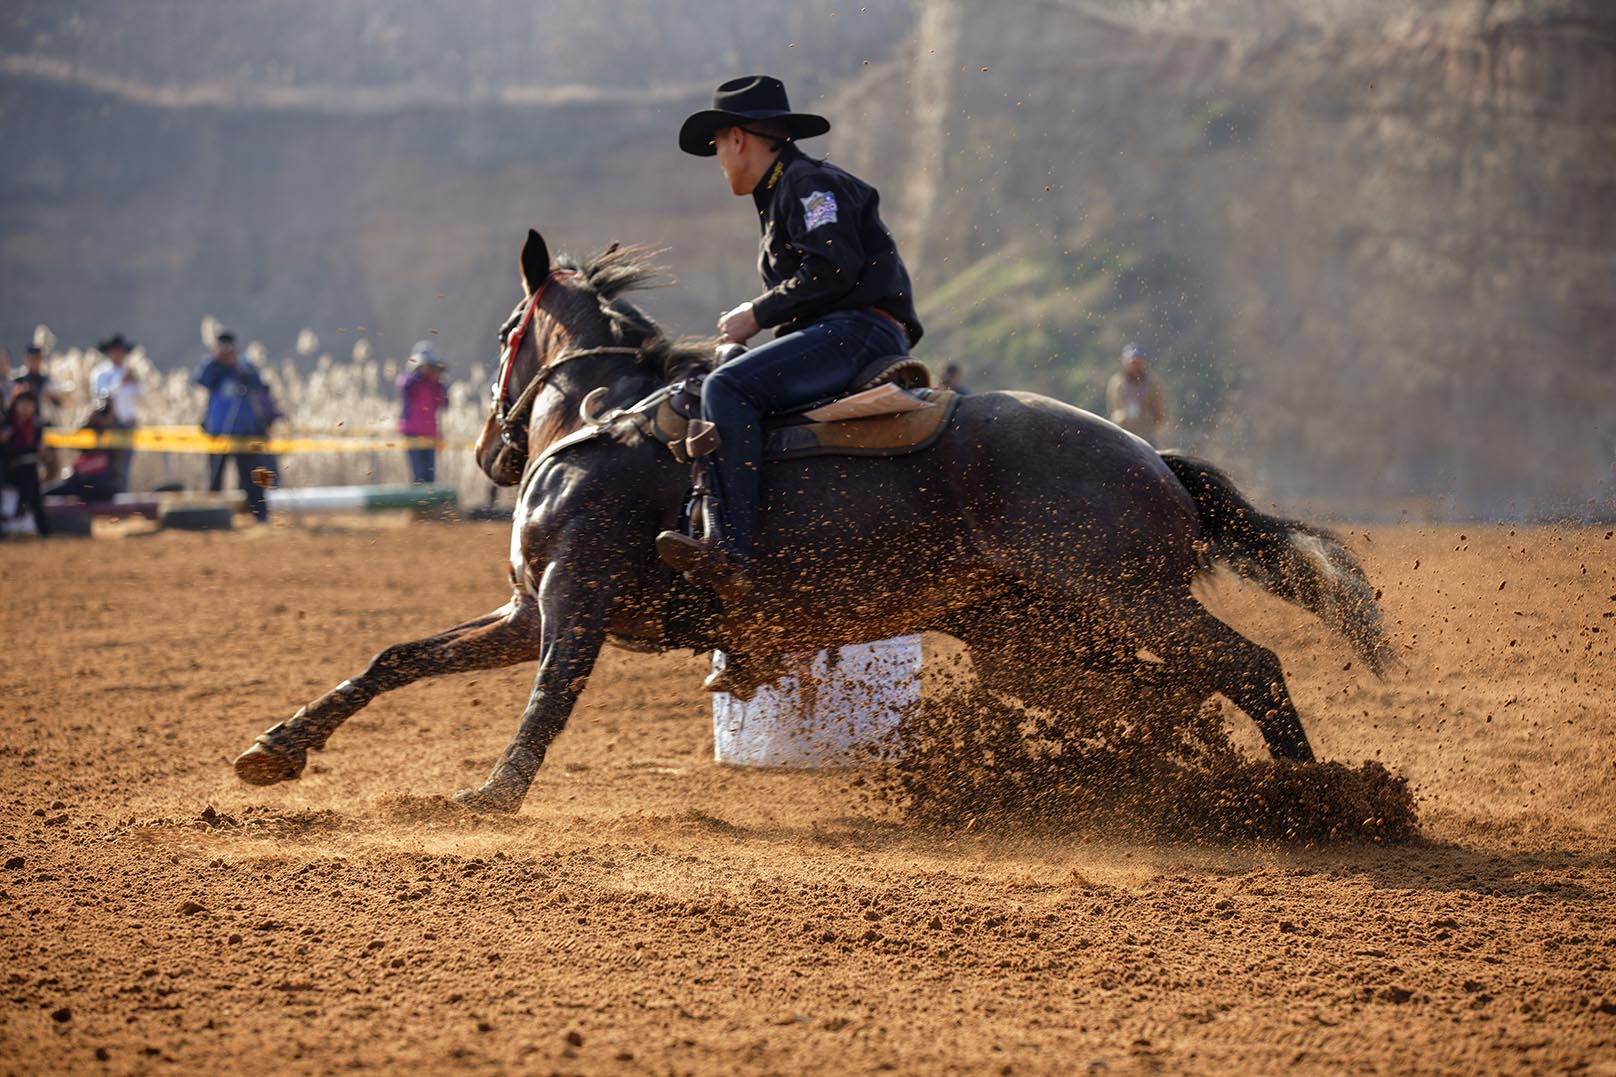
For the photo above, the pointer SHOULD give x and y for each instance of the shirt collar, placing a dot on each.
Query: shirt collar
(764, 191)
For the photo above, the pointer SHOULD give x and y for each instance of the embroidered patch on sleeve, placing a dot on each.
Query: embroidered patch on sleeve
(817, 209)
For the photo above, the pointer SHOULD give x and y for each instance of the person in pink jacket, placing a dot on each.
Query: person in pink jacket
(424, 396)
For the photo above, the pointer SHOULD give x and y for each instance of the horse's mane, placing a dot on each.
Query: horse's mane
(619, 269)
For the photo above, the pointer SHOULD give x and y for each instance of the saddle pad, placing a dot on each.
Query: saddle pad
(888, 435)
(885, 399)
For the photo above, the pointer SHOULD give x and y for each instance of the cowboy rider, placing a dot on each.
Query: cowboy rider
(836, 294)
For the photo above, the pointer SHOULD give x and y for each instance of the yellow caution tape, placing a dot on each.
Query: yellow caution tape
(188, 439)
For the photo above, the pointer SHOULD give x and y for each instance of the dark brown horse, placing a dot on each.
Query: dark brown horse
(1059, 548)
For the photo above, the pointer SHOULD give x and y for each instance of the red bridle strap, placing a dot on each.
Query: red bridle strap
(513, 343)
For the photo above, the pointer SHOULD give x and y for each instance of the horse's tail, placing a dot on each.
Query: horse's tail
(1299, 563)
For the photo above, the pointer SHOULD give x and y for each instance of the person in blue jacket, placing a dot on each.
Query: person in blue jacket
(239, 406)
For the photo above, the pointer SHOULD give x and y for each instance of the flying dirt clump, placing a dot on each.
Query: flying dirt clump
(971, 759)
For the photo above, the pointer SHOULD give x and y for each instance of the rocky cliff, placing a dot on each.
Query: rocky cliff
(1373, 244)
(282, 164)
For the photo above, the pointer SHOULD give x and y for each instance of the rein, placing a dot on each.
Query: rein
(637, 413)
(513, 420)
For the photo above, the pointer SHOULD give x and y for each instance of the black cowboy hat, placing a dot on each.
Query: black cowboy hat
(750, 97)
(116, 340)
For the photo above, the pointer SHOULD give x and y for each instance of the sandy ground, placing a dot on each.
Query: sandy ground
(651, 911)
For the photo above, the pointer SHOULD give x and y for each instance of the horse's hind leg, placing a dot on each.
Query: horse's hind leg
(1215, 658)
(504, 637)
(1062, 658)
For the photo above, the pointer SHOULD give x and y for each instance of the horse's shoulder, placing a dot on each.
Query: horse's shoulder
(595, 456)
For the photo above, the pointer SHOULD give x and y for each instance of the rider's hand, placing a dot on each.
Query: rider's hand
(739, 325)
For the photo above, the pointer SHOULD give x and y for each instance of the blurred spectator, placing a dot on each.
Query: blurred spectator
(953, 378)
(22, 434)
(239, 406)
(113, 380)
(33, 377)
(424, 396)
(92, 477)
(1134, 398)
(5, 374)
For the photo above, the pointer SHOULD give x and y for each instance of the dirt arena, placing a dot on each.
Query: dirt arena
(650, 911)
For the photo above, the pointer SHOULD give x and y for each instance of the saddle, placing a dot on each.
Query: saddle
(892, 411)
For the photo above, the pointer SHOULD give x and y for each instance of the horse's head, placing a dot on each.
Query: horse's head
(526, 340)
(569, 312)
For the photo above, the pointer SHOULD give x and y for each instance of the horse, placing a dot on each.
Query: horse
(1057, 547)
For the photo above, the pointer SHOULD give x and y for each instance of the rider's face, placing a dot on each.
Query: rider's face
(729, 142)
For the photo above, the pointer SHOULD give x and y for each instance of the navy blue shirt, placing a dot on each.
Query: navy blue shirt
(825, 248)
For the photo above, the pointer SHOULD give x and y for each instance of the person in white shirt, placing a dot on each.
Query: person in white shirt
(112, 380)
(1135, 398)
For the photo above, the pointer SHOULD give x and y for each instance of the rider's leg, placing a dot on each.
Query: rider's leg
(814, 362)
(818, 361)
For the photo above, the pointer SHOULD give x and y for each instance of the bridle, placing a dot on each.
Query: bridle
(512, 415)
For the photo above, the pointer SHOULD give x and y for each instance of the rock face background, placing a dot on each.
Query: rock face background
(342, 164)
(1373, 248)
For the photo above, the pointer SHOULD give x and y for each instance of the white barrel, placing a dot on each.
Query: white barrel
(840, 711)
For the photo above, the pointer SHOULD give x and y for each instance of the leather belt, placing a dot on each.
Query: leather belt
(904, 329)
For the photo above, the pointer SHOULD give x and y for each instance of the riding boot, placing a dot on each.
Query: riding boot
(706, 564)
(705, 561)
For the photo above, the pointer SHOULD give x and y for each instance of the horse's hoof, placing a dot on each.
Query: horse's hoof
(270, 760)
(489, 799)
(742, 677)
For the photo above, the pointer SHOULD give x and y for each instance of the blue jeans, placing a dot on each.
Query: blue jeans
(245, 462)
(817, 361)
(24, 478)
(423, 465)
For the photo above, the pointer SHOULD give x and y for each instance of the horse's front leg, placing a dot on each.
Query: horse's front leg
(504, 637)
(574, 611)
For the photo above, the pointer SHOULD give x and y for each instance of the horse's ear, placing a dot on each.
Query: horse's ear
(535, 262)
